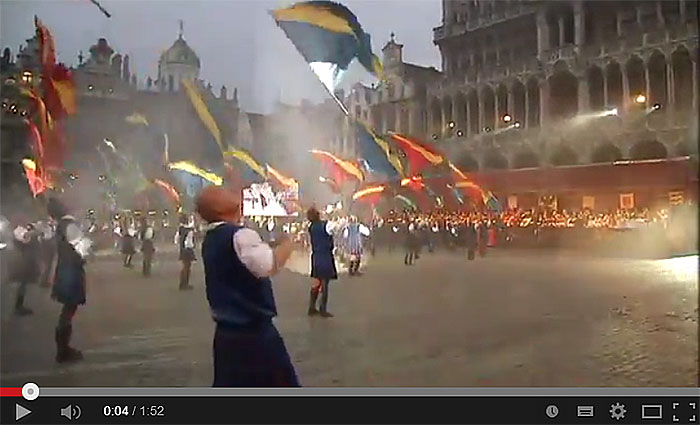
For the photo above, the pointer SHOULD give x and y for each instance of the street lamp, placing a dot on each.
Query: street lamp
(434, 136)
(460, 133)
(27, 77)
(641, 99)
(507, 118)
(516, 124)
(451, 124)
(656, 106)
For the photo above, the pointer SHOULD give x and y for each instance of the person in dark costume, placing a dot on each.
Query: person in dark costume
(410, 244)
(322, 262)
(27, 263)
(186, 242)
(248, 350)
(128, 249)
(68, 289)
(48, 250)
(146, 234)
(483, 237)
(470, 239)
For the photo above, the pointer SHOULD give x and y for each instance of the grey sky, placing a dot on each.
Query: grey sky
(238, 43)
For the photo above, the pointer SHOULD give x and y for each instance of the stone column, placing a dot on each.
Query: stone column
(510, 100)
(579, 24)
(681, 8)
(544, 102)
(584, 101)
(468, 118)
(496, 118)
(605, 89)
(695, 83)
(561, 31)
(659, 14)
(618, 23)
(480, 100)
(647, 85)
(543, 42)
(526, 124)
(670, 93)
(443, 120)
(625, 87)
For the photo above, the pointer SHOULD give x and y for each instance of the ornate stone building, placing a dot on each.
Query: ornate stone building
(397, 104)
(533, 83)
(177, 63)
(108, 92)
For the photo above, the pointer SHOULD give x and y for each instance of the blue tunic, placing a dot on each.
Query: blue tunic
(322, 260)
(248, 349)
(69, 287)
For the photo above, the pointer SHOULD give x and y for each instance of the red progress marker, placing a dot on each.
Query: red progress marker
(10, 392)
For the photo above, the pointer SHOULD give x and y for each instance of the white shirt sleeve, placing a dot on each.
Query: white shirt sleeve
(189, 239)
(364, 230)
(345, 232)
(255, 254)
(75, 237)
(330, 227)
(21, 234)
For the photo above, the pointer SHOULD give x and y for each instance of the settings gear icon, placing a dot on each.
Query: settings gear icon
(617, 411)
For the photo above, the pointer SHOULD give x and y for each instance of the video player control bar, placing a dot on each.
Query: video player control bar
(346, 409)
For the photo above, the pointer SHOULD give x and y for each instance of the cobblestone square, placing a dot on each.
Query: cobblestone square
(513, 318)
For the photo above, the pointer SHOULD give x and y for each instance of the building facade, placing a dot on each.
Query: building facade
(395, 104)
(536, 83)
(107, 92)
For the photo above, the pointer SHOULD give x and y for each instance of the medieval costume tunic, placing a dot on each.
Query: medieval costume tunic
(147, 247)
(322, 263)
(248, 349)
(69, 286)
(128, 248)
(185, 239)
(353, 234)
(411, 244)
(48, 250)
(470, 241)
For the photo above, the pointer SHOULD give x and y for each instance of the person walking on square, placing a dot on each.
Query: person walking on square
(185, 239)
(410, 244)
(27, 264)
(146, 235)
(248, 349)
(127, 243)
(322, 262)
(48, 250)
(68, 289)
(353, 234)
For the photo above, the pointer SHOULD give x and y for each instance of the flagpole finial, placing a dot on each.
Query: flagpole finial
(393, 37)
(182, 25)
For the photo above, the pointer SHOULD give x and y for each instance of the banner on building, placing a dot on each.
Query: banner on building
(627, 201)
(261, 200)
(675, 197)
(588, 202)
(513, 202)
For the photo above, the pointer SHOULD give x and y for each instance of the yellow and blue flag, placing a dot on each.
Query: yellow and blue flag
(376, 152)
(328, 36)
(252, 170)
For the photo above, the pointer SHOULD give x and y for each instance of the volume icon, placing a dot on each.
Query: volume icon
(71, 412)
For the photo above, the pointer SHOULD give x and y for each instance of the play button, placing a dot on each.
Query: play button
(21, 411)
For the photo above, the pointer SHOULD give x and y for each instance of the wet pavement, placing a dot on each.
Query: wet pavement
(513, 318)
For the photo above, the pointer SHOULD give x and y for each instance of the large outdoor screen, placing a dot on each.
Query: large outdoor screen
(261, 199)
